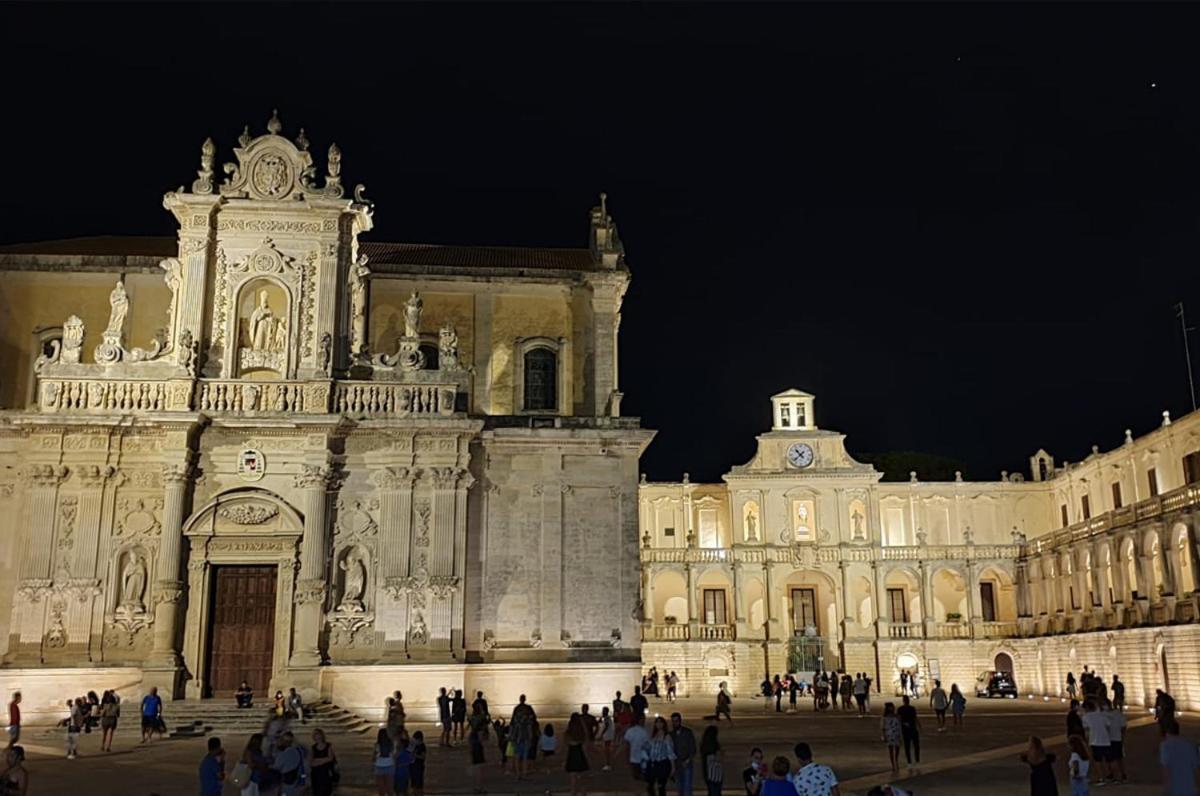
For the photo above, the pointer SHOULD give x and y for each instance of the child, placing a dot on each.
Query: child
(417, 770)
(607, 735)
(1078, 765)
(548, 743)
(74, 720)
(502, 742)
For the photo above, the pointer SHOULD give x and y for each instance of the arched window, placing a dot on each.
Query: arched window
(430, 350)
(541, 380)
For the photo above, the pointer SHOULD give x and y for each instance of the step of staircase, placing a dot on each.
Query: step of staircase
(192, 719)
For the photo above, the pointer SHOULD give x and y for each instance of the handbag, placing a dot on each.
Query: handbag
(240, 776)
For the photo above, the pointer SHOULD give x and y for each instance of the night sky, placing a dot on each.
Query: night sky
(963, 227)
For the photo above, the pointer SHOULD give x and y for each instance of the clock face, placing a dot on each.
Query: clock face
(800, 455)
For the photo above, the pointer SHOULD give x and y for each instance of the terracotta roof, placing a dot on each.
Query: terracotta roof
(383, 257)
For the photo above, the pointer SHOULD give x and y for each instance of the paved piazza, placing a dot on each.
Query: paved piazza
(981, 758)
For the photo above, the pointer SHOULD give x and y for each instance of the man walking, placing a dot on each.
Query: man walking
(938, 701)
(638, 703)
(684, 741)
(212, 769)
(1096, 727)
(1118, 693)
(910, 731)
(860, 693)
(151, 714)
(14, 719)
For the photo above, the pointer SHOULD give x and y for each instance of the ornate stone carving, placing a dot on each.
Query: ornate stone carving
(311, 477)
(310, 591)
(448, 348)
(92, 476)
(176, 473)
(422, 510)
(34, 589)
(489, 640)
(325, 354)
(358, 306)
(72, 340)
(82, 589)
(354, 518)
(418, 633)
(56, 631)
(535, 639)
(443, 586)
(389, 478)
(42, 476)
(138, 517)
(168, 592)
(269, 167)
(249, 513)
(187, 352)
(412, 315)
(68, 510)
(204, 177)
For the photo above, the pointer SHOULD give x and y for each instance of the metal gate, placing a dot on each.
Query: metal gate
(806, 654)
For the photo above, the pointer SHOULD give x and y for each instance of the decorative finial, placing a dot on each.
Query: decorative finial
(1095, 450)
(603, 205)
(244, 138)
(335, 160)
(687, 479)
(1128, 437)
(642, 478)
(333, 177)
(203, 183)
(1004, 475)
(1166, 418)
(912, 476)
(958, 475)
(302, 140)
(273, 124)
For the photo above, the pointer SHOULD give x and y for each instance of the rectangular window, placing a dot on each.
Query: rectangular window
(1085, 504)
(1191, 468)
(1152, 480)
(897, 607)
(668, 531)
(801, 419)
(714, 607)
(987, 600)
(1074, 603)
(804, 611)
(1065, 520)
(1116, 490)
(895, 526)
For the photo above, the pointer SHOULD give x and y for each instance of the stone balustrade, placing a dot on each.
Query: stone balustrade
(951, 630)
(906, 629)
(1176, 499)
(998, 629)
(827, 554)
(651, 632)
(685, 632)
(359, 399)
(715, 632)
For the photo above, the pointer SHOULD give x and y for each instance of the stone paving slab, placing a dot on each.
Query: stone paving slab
(980, 759)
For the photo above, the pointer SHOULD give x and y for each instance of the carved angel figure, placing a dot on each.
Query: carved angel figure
(133, 584)
(448, 347)
(354, 584)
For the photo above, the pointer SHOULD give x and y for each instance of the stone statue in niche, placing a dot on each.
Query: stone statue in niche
(856, 519)
(358, 306)
(417, 632)
(133, 585)
(448, 347)
(262, 325)
(751, 526)
(355, 583)
(412, 315)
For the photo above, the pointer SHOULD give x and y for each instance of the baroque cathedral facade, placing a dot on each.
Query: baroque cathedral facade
(269, 450)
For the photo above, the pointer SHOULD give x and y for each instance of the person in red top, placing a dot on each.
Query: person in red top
(14, 719)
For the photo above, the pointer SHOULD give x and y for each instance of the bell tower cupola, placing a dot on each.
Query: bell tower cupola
(792, 410)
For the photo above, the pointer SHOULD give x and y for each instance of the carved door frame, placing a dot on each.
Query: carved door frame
(228, 531)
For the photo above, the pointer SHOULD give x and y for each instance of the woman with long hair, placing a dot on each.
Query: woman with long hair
(260, 771)
(890, 733)
(385, 763)
(110, 711)
(322, 765)
(577, 763)
(712, 759)
(1041, 768)
(660, 757)
(476, 734)
(958, 704)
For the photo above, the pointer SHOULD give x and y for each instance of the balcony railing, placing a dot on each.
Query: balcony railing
(360, 399)
(999, 629)
(906, 629)
(684, 632)
(1176, 499)
(951, 630)
(830, 554)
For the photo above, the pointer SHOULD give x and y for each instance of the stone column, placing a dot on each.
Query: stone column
(694, 617)
(1102, 575)
(881, 620)
(927, 619)
(165, 665)
(1079, 579)
(443, 576)
(313, 483)
(739, 613)
(86, 573)
(974, 601)
(848, 620)
(41, 482)
(395, 531)
(1022, 588)
(606, 302)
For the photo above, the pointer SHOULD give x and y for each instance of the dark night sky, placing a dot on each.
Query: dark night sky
(962, 226)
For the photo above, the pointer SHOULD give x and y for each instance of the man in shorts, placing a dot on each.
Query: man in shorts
(151, 714)
(939, 701)
(1096, 727)
(1116, 737)
(637, 739)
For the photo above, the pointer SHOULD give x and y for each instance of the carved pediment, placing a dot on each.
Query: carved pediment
(266, 259)
(248, 513)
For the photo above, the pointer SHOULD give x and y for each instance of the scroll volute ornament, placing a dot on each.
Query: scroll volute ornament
(270, 167)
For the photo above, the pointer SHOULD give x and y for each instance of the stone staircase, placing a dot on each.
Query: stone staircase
(196, 718)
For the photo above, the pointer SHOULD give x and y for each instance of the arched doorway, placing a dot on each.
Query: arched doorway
(1003, 663)
(243, 551)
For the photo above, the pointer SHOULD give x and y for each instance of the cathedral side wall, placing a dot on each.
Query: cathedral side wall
(39, 299)
(525, 316)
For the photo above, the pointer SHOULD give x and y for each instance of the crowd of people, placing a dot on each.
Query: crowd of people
(827, 689)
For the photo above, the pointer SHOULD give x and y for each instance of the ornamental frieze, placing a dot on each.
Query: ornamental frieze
(248, 513)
